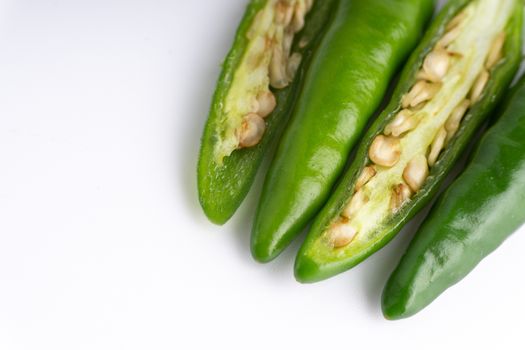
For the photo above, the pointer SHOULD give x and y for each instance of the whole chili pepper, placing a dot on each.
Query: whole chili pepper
(257, 88)
(348, 77)
(450, 85)
(470, 220)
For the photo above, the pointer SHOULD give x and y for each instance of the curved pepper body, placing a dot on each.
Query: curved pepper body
(348, 77)
(318, 259)
(223, 187)
(470, 220)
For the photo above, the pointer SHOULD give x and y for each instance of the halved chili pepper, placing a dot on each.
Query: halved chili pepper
(257, 88)
(361, 51)
(450, 85)
(481, 209)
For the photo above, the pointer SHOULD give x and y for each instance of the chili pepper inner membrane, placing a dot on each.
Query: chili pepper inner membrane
(451, 80)
(268, 62)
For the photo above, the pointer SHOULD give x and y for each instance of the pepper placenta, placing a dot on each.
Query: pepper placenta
(257, 88)
(361, 50)
(450, 85)
(471, 219)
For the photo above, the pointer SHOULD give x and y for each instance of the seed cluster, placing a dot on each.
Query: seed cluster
(385, 150)
(289, 19)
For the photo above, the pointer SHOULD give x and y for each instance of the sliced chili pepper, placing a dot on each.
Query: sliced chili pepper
(362, 49)
(450, 85)
(481, 209)
(257, 88)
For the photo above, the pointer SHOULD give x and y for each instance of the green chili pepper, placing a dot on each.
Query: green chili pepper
(348, 77)
(470, 220)
(257, 88)
(448, 88)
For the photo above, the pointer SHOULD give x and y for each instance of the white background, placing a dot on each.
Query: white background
(103, 244)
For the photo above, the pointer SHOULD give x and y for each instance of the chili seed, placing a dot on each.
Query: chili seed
(368, 173)
(267, 103)
(436, 65)
(479, 86)
(293, 65)
(252, 130)
(453, 122)
(342, 234)
(385, 151)
(403, 122)
(303, 42)
(358, 200)
(309, 4)
(449, 37)
(287, 43)
(437, 146)
(421, 92)
(495, 53)
(283, 13)
(456, 21)
(400, 194)
(416, 172)
(278, 77)
(298, 18)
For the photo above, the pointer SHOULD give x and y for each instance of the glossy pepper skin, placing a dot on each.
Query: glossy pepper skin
(471, 219)
(222, 188)
(312, 265)
(348, 77)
